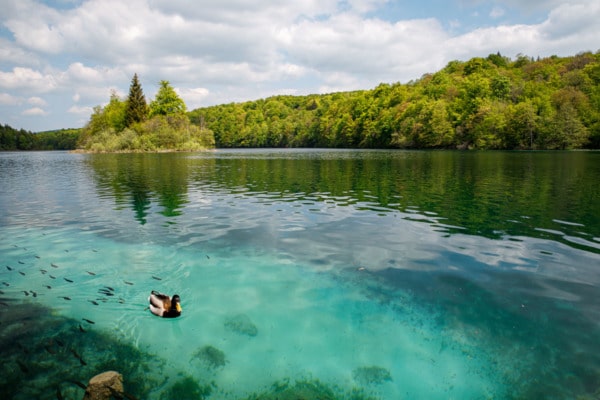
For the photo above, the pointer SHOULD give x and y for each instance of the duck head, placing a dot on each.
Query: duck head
(176, 303)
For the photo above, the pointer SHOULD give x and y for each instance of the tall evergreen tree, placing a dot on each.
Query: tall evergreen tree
(137, 109)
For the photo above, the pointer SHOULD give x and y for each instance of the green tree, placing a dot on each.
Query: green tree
(116, 112)
(137, 109)
(167, 101)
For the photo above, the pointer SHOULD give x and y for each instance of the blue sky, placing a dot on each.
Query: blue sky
(60, 58)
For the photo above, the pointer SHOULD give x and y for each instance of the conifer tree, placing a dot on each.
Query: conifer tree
(137, 109)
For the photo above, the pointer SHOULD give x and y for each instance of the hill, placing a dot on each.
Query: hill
(483, 103)
(13, 139)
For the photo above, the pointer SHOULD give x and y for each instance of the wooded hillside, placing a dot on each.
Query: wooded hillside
(483, 103)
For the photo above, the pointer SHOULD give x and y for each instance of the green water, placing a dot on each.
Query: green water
(314, 274)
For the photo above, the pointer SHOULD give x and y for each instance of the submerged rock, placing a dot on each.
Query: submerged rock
(371, 375)
(241, 324)
(210, 356)
(104, 386)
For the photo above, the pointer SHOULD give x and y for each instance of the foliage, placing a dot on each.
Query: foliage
(483, 103)
(167, 101)
(109, 128)
(13, 139)
(136, 109)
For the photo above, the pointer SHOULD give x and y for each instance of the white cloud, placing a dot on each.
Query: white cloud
(194, 97)
(34, 111)
(27, 79)
(81, 110)
(35, 26)
(36, 101)
(497, 12)
(9, 100)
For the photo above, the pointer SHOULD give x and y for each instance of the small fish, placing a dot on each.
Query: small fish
(94, 250)
(53, 265)
(108, 293)
(43, 271)
(3, 304)
(22, 273)
(52, 277)
(81, 361)
(207, 257)
(66, 297)
(81, 385)
(60, 342)
(109, 288)
(91, 273)
(68, 280)
(121, 300)
(23, 367)
(115, 393)
(33, 293)
(81, 329)
(1, 292)
(128, 283)
(9, 268)
(157, 278)
(48, 286)
(21, 262)
(93, 302)
(26, 292)
(38, 257)
(89, 321)
(58, 394)
(6, 283)
(75, 353)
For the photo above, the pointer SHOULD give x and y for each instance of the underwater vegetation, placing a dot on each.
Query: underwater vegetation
(308, 390)
(44, 355)
(187, 389)
(210, 356)
(371, 375)
(241, 324)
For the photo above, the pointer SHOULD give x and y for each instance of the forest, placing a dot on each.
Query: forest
(20, 139)
(482, 103)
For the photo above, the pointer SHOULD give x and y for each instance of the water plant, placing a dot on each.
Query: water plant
(187, 389)
(241, 324)
(210, 356)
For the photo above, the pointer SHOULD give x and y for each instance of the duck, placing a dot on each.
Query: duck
(163, 306)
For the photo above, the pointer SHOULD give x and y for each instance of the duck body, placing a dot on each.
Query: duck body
(163, 306)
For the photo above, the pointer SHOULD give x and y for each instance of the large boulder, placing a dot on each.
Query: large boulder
(104, 385)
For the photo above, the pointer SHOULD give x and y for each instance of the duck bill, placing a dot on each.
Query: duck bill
(178, 307)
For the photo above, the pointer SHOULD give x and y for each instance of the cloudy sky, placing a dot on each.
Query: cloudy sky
(59, 58)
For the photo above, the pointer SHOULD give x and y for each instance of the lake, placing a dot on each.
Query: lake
(314, 274)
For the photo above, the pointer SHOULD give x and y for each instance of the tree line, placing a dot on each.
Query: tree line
(19, 139)
(482, 103)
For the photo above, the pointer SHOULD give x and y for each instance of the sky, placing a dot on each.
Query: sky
(60, 58)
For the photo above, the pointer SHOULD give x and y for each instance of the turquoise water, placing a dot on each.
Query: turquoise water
(307, 273)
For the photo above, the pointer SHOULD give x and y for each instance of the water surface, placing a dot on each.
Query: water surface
(334, 273)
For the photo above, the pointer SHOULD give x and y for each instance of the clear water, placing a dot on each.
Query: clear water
(306, 273)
